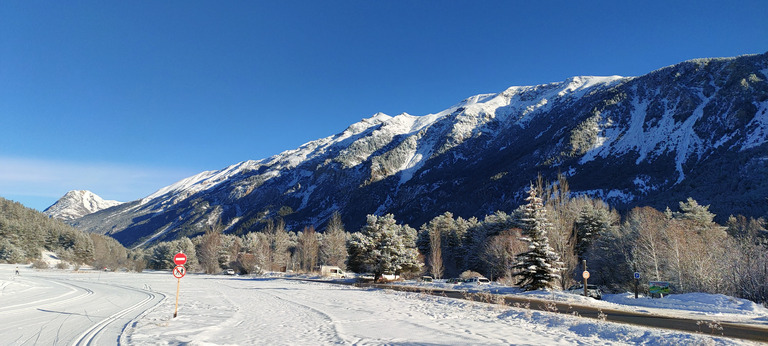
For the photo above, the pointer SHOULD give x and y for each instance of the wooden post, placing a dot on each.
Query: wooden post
(585, 279)
(176, 309)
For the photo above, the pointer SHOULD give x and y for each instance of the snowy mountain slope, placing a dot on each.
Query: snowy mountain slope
(78, 203)
(697, 129)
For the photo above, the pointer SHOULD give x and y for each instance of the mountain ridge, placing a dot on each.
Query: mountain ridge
(76, 204)
(629, 140)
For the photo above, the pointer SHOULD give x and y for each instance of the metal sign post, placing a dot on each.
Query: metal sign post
(637, 281)
(585, 275)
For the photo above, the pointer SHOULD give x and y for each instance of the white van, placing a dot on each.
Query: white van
(478, 280)
(332, 271)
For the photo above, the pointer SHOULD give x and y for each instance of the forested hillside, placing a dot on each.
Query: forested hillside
(25, 233)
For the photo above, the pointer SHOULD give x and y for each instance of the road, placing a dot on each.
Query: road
(45, 309)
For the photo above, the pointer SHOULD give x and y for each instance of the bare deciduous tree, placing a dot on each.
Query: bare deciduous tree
(208, 251)
(333, 247)
(308, 249)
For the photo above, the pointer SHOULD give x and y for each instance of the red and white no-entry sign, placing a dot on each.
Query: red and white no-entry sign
(179, 271)
(180, 259)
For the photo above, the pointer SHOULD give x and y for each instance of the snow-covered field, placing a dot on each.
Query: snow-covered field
(66, 307)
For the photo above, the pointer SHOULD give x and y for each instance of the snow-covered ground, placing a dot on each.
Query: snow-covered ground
(697, 306)
(59, 307)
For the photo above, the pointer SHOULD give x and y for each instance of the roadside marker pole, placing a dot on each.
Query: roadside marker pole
(178, 272)
(176, 309)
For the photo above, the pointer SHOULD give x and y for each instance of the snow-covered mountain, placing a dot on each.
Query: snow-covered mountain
(76, 204)
(698, 128)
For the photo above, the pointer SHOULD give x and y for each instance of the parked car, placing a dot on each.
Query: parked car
(592, 291)
(479, 280)
(230, 272)
(390, 277)
(365, 277)
(454, 281)
(426, 278)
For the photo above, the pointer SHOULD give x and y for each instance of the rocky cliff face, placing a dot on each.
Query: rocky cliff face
(695, 129)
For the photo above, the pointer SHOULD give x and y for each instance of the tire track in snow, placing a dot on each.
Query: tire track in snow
(315, 325)
(385, 317)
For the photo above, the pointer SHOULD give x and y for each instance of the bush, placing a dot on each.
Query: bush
(40, 264)
(470, 274)
(62, 265)
(507, 281)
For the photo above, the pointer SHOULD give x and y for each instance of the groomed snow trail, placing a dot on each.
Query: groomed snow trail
(57, 308)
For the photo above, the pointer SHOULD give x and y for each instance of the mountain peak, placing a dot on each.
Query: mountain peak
(78, 203)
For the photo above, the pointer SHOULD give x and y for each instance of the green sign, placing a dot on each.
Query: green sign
(659, 287)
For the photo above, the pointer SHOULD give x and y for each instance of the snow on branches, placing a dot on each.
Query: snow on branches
(538, 267)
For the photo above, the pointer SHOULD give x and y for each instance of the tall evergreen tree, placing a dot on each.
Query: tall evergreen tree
(592, 221)
(538, 267)
(382, 246)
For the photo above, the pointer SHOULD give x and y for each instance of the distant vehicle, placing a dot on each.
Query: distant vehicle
(230, 272)
(365, 277)
(369, 277)
(332, 271)
(426, 278)
(454, 281)
(592, 291)
(390, 277)
(479, 280)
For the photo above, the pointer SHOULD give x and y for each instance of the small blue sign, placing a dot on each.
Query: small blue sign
(637, 275)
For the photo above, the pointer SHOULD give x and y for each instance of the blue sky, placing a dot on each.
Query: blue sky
(125, 97)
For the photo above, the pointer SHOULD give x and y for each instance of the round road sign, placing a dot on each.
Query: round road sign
(585, 274)
(180, 259)
(179, 271)
(637, 275)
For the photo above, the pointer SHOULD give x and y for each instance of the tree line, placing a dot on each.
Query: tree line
(541, 244)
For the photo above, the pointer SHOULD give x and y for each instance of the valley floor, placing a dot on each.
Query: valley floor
(66, 307)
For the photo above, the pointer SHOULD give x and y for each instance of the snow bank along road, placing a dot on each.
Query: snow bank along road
(742, 331)
(64, 307)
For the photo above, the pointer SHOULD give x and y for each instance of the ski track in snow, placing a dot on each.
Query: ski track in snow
(55, 307)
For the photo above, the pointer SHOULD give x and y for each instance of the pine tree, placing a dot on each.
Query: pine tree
(592, 221)
(692, 210)
(538, 267)
(382, 246)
